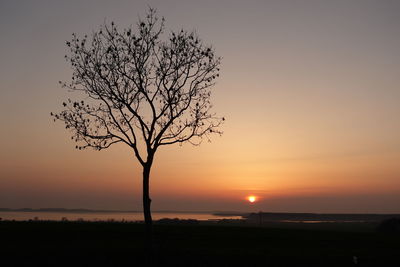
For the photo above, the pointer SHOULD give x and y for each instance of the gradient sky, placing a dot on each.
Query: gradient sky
(310, 91)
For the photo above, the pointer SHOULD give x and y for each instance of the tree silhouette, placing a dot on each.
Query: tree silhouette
(141, 91)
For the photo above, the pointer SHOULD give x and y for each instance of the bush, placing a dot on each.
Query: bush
(177, 221)
(391, 225)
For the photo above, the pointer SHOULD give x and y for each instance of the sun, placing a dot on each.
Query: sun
(251, 199)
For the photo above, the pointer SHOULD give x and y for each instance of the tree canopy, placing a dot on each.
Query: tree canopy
(138, 87)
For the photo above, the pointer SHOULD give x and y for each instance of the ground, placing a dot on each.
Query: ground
(39, 243)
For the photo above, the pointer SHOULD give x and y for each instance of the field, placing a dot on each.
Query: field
(40, 243)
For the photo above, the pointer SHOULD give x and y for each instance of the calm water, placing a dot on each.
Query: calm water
(104, 216)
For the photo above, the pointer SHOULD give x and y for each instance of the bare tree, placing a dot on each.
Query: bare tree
(141, 91)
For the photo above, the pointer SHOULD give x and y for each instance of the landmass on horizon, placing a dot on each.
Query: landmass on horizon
(233, 213)
(250, 216)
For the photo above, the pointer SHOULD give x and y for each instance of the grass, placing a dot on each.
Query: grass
(41, 243)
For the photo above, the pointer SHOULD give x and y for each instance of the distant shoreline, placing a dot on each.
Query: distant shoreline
(270, 215)
(227, 213)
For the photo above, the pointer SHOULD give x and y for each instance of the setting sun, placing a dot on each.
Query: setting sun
(251, 199)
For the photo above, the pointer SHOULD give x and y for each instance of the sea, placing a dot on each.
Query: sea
(132, 216)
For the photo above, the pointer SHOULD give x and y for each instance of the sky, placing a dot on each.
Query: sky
(309, 89)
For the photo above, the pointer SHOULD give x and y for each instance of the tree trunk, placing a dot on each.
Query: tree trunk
(147, 203)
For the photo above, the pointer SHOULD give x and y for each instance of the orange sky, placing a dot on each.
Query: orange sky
(310, 92)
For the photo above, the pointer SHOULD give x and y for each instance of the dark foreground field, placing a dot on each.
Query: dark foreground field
(121, 244)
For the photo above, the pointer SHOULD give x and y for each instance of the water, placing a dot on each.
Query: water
(106, 216)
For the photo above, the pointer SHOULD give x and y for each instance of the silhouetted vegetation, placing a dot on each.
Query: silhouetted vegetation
(141, 91)
(40, 243)
(391, 225)
(177, 221)
(316, 217)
